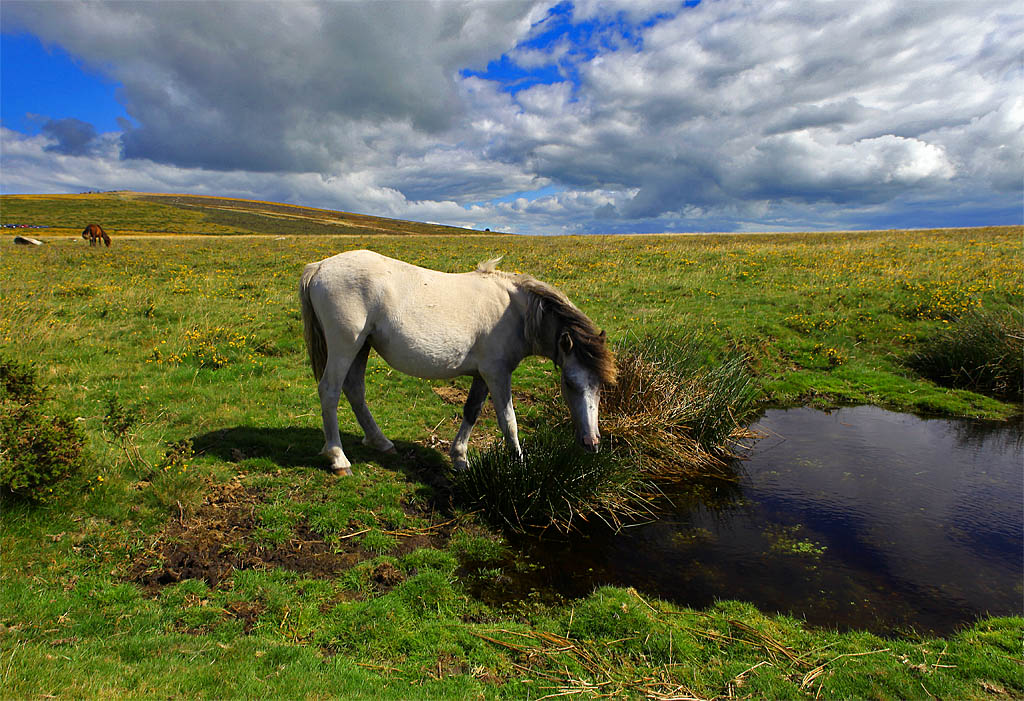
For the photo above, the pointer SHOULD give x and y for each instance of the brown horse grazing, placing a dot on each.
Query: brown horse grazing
(95, 232)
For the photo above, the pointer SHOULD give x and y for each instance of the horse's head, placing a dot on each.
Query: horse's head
(583, 373)
(560, 331)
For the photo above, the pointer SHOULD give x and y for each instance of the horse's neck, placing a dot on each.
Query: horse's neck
(540, 329)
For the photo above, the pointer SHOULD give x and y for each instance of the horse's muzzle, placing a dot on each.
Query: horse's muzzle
(591, 445)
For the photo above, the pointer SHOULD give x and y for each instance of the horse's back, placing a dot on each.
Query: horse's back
(361, 278)
(362, 262)
(423, 322)
(382, 281)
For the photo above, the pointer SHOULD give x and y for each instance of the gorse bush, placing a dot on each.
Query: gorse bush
(37, 448)
(553, 484)
(18, 382)
(979, 351)
(676, 408)
(119, 419)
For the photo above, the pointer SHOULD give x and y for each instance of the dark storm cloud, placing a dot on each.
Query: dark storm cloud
(833, 115)
(73, 137)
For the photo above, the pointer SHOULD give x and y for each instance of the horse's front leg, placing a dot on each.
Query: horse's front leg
(500, 385)
(470, 413)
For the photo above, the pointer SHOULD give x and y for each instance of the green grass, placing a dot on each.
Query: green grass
(154, 343)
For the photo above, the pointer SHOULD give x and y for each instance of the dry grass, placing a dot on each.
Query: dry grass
(676, 416)
(578, 664)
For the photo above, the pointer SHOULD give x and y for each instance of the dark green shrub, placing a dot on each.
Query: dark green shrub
(37, 447)
(18, 382)
(119, 419)
(979, 351)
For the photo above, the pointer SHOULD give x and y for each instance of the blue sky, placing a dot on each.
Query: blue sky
(584, 39)
(42, 83)
(597, 116)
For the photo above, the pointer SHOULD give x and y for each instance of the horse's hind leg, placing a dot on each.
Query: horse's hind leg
(355, 392)
(330, 387)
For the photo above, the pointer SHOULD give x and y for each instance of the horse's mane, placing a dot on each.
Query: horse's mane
(546, 300)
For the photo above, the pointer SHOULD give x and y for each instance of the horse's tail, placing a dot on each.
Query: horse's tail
(312, 331)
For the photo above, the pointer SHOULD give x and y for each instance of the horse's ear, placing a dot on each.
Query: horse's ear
(603, 335)
(565, 343)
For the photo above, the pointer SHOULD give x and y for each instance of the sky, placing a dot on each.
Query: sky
(593, 116)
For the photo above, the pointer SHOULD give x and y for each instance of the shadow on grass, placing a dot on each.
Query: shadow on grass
(297, 447)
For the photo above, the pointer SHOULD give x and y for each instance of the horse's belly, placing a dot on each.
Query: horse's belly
(430, 358)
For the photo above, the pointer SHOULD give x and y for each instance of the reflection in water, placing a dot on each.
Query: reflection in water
(858, 518)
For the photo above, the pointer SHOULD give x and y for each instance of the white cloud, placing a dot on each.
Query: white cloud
(714, 117)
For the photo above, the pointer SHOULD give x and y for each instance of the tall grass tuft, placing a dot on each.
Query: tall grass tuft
(676, 409)
(553, 484)
(979, 351)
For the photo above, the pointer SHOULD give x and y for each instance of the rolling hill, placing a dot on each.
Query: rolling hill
(136, 213)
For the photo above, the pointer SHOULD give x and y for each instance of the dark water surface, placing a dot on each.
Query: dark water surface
(857, 518)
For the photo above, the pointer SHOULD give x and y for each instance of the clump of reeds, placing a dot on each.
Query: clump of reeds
(554, 483)
(676, 410)
(979, 351)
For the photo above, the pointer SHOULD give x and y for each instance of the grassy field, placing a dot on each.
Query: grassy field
(199, 551)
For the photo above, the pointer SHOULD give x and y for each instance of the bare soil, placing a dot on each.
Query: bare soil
(451, 394)
(216, 540)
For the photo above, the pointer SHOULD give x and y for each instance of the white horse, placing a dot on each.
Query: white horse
(440, 325)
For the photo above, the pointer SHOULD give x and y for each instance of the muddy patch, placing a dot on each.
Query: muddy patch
(248, 612)
(217, 539)
(385, 576)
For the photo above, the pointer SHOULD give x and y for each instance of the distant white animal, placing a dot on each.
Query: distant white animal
(440, 325)
(26, 241)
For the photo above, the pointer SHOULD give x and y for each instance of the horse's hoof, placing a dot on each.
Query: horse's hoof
(460, 465)
(341, 471)
(339, 464)
(384, 446)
